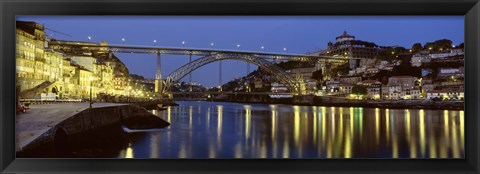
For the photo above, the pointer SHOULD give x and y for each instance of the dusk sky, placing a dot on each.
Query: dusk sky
(299, 34)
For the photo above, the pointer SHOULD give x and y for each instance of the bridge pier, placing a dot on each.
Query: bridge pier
(158, 76)
(220, 76)
(190, 74)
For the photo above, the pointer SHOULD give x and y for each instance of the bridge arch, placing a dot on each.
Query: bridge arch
(271, 68)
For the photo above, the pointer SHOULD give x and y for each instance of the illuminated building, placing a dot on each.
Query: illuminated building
(347, 46)
(40, 69)
(29, 54)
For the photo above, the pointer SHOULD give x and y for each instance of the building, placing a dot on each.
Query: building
(385, 92)
(350, 79)
(258, 84)
(411, 94)
(347, 46)
(427, 56)
(332, 86)
(394, 92)
(304, 72)
(42, 71)
(279, 91)
(446, 94)
(405, 82)
(345, 88)
(84, 80)
(85, 61)
(374, 88)
(29, 55)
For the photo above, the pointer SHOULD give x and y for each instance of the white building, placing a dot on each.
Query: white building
(446, 94)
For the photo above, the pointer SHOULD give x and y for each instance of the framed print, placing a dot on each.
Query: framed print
(239, 87)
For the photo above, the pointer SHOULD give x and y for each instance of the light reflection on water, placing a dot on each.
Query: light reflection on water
(232, 130)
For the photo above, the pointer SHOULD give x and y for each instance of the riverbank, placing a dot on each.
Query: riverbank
(65, 130)
(342, 102)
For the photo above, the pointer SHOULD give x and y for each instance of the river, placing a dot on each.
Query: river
(233, 130)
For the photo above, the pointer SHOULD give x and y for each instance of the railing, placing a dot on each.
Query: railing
(51, 101)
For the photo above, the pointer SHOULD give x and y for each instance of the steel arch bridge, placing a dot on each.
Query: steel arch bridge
(259, 58)
(271, 68)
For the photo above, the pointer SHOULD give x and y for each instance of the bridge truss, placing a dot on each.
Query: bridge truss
(271, 68)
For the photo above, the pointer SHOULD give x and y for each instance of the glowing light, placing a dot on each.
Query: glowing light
(169, 113)
(154, 146)
(324, 126)
(422, 132)
(455, 148)
(286, 150)
(387, 125)
(462, 129)
(315, 122)
(248, 121)
(446, 125)
(296, 125)
(219, 121)
(211, 150)
(377, 125)
(348, 145)
(274, 127)
(129, 153)
(208, 118)
(238, 150)
(190, 115)
(407, 125)
(352, 115)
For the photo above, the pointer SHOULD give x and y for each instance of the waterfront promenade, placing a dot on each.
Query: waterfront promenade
(41, 118)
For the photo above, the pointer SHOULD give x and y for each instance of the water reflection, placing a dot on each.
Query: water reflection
(230, 130)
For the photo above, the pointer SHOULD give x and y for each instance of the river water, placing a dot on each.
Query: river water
(233, 130)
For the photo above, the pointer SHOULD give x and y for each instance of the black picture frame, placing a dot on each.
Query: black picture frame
(9, 9)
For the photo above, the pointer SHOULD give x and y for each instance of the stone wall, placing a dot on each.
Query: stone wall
(84, 123)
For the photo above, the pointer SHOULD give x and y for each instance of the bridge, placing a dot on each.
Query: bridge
(260, 58)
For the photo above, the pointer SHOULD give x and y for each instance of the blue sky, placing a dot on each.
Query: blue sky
(299, 34)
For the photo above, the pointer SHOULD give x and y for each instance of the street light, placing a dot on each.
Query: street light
(129, 93)
(211, 45)
(262, 48)
(154, 42)
(89, 38)
(238, 46)
(123, 41)
(285, 50)
(91, 79)
(183, 44)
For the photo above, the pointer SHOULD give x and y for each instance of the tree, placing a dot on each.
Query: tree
(390, 54)
(441, 44)
(317, 75)
(359, 90)
(462, 45)
(386, 55)
(417, 47)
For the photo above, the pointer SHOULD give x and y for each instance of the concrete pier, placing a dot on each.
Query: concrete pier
(42, 123)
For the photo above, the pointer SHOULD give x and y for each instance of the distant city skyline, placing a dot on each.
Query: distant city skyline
(299, 34)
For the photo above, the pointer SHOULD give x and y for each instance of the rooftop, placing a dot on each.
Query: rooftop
(345, 35)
